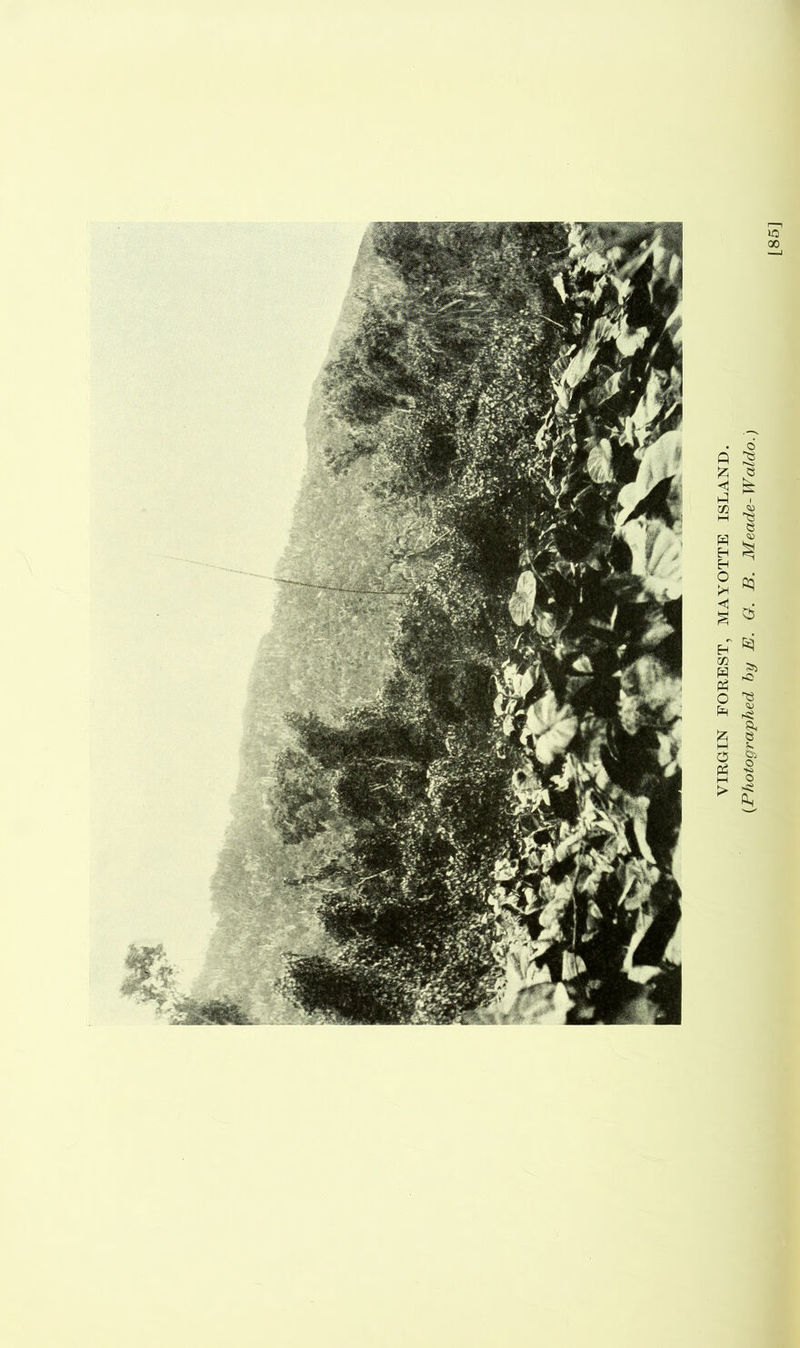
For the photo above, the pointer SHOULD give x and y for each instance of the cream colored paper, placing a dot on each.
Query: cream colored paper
(419, 1186)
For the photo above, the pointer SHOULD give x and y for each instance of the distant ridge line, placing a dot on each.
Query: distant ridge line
(282, 580)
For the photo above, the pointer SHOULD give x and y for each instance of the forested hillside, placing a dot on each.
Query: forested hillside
(326, 650)
(459, 794)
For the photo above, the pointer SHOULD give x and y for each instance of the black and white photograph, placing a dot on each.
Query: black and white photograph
(386, 623)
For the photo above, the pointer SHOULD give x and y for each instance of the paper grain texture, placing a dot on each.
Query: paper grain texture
(467, 1186)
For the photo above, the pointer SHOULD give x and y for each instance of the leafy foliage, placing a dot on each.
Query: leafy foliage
(587, 895)
(152, 979)
(464, 804)
(299, 797)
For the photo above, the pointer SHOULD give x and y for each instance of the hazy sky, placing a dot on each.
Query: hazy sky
(206, 340)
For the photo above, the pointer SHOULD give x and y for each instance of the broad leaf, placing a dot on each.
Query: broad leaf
(551, 726)
(660, 460)
(521, 603)
(523, 683)
(546, 623)
(650, 403)
(542, 1004)
(599, 463)
(519, 608)
(656, 556)
(608, 389)
(595, 263)
(580, 365)
(571, 966)
(526, 584)
(631, 340)
(581, 362)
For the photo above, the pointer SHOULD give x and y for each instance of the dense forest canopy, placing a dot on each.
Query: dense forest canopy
(459, 796)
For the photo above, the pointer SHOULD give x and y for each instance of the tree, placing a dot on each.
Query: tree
(151, 978)
(372, 375)
(338, 989)
(218, 1011)
(300, 796)
(373, 733)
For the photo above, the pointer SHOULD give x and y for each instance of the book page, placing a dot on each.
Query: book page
(405, 1183)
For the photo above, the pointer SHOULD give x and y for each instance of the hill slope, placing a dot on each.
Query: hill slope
(325, 650)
